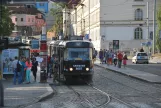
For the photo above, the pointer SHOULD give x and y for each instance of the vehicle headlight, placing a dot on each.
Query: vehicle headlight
(71, 69)
(87, 69)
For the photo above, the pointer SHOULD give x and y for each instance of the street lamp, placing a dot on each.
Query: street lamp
(154, 25)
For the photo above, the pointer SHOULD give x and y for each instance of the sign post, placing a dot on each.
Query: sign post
(43, 54)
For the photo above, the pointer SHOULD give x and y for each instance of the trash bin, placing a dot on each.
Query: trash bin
(43, 78)
(1, 94)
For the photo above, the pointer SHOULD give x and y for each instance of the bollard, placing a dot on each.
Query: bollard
(43, 78)
(1, 94)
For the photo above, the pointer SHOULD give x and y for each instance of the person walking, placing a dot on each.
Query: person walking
(110, 57)
(101, 56)
(107, 57)
(125, 59)
(28, 70)
(23, 69)
(115, 59)
(16, 64)
(120, 57)
(34, 68)
(56, 68)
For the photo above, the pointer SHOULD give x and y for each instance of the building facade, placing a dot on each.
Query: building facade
(108, 20)
(28, 21)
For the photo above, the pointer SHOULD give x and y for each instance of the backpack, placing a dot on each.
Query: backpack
(18, 69)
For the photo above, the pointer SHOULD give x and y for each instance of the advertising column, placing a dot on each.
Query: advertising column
(43, 55)
(43, 49)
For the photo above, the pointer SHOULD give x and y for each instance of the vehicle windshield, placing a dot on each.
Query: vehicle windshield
(78, 54)
(141, 54)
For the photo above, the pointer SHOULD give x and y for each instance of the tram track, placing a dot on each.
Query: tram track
(110, 96)
(108, 100)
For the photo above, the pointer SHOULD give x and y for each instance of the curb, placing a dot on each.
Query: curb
(39, 98)
(126, 74)
(155, 62)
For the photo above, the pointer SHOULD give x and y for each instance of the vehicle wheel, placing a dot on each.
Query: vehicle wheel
(147, 62)
(136, 62)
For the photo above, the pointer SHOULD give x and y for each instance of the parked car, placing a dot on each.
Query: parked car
(140, 57)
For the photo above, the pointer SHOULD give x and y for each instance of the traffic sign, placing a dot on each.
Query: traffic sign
(43, 37)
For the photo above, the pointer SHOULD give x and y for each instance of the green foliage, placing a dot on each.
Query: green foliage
(158, 41)
(58, 17)
(6, 25)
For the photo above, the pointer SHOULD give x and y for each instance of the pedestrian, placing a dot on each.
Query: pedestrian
(120, 57)
(125, 59)
(28, 70)
(115, 59)
(94, 55)
(110, 57)
(142, 50)
(48, 63)
(56, 66)
(107, 57)
(16, 64)
(23, 69)
(104, 56)
(101, 56)
(34, 68)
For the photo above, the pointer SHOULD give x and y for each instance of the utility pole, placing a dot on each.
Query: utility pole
(75, 20)
(89, 17)
(81, 18)
(154, 25)
(65, 22)
(147, 38)
(147, 21)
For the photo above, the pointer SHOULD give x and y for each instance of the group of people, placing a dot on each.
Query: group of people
(109, 57)
(22, 68)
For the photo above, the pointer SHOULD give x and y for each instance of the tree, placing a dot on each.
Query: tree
(158, 40)
(6, 25)
(58, 18)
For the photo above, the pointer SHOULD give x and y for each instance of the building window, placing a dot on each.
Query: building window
(138, 14)
(28, 19)
(151, 35)
(138, 33)
(16, 19)
(41, 4)
(21, 19)
(32, 19)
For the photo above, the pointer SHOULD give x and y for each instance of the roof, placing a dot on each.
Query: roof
(24, 10)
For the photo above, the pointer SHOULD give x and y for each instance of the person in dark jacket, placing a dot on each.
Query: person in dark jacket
(141, 50)
(34, 68)
(101, 56)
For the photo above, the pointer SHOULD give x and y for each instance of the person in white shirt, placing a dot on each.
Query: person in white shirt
(115, 59)
(16, 64)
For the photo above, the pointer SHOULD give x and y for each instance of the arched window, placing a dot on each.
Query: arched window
(138, 14)
(138, 33)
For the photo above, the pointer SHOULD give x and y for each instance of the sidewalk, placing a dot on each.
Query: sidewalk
(18, 96)
(155, 60)
(132, 73)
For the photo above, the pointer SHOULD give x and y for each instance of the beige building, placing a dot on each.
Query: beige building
(108, 20)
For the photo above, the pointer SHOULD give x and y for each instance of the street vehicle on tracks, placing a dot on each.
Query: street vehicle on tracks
(75, 58)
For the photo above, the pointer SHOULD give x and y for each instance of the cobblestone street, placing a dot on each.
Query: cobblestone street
(109, 90)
